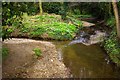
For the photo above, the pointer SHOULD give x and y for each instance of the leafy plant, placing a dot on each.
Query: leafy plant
(48, 25)
(37, 52)
(112, 46)
(6, 32)
(62, 31)
(111, 22)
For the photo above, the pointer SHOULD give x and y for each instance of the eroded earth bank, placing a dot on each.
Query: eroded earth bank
(21, 61)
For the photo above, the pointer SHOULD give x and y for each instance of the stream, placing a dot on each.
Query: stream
(86, 61)
(85, 58)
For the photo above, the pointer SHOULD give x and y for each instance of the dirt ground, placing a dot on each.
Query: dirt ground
(21, 61)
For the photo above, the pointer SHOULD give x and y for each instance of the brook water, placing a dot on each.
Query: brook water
(86, 61)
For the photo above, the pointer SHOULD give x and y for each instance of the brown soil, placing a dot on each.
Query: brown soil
(21, 61)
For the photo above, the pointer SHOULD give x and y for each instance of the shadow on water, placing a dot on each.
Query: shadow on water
(86, 61)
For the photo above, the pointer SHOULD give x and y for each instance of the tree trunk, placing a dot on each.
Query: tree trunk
(116, 17)
(40, 7)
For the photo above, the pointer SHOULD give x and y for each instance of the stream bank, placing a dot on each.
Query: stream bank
(20, 62)
(80, 61)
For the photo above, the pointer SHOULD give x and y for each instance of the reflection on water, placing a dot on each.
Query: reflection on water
(86, 61)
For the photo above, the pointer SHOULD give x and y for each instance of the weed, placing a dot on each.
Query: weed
(37, 52)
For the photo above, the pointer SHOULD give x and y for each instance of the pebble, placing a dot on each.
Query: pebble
(51, 60)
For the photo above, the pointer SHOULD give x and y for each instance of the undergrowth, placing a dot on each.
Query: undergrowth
(112, 44)
(111, 22)
(48, 26)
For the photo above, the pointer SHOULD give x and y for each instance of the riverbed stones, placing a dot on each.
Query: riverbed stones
(98, 37)
(91, 39)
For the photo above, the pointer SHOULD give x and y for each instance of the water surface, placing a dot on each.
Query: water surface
(86, 61)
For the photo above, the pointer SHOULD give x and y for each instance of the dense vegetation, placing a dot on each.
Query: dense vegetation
(112, 44)
(45, 26)
(59, 21)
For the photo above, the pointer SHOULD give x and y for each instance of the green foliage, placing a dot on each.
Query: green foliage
(6, 32)
(4, 52)
(56, 30)
(48, 26)
(11, 10)
(61, 31)
(75, 21)
(98, 9)
(111, 22)
(48, 18)
(37, 52)
(37, 31)
(76, 11)
(112, 44)
(112, 47)
(52, 7)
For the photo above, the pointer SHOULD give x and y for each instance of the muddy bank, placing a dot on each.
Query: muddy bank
(22, 63)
